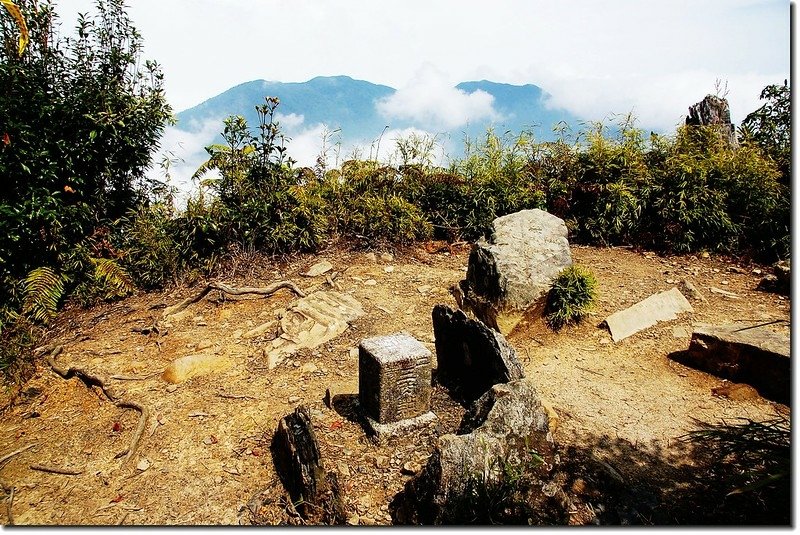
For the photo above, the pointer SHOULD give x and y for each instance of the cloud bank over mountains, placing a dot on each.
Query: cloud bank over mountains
(429, 99)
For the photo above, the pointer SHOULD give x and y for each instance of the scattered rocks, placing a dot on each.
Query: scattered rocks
(692, 291)
(194, 365)
(309, 367)
(411, 468)
(780, 280)
(387, 257)
(261, 329)
(507, 423)
(471, 357)
(724, 293)
(511, 271)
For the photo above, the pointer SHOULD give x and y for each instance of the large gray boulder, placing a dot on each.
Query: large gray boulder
(471, 357)
(511, 270)
(506, 427)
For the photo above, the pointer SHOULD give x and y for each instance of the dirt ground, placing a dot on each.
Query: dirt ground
(205, 455)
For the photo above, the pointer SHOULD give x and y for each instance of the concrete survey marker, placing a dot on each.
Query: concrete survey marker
(664, 306)
(394, 383)
(312, 321)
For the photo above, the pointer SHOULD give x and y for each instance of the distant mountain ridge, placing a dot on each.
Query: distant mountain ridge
(341, 102)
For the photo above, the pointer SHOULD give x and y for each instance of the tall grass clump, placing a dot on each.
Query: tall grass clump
(571, 296)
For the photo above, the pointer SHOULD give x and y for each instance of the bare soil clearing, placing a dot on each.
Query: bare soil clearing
(205, 455)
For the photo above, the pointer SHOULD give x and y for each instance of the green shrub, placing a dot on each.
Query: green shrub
(611, 172)
(571, 297)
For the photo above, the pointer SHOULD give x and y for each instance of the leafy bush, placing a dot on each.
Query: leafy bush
(770, 127)
(571, 296)
(80, 119)
(611, 172)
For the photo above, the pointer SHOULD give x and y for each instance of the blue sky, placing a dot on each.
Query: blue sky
(596, 58)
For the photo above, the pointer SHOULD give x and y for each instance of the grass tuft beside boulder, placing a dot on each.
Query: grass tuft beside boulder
(571, 297)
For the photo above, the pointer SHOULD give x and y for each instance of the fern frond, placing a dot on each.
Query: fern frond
(115, 278)
(43, 290)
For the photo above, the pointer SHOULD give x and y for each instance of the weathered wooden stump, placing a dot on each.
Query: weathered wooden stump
(316, 495)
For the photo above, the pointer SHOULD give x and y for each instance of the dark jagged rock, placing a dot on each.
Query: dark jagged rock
(713, 111)
(510, 271)
(471, 357)
(299, 465)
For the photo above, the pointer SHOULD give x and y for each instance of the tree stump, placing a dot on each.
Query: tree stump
(315, 494)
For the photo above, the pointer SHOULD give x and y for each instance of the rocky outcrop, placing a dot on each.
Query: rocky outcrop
(511, 270)
(743, 353)
(471, 357)
(713, 111)
(506, 427)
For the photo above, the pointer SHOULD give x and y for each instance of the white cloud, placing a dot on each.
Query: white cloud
(430, 100)
(185, 151)
(289, 122)
(660, 102)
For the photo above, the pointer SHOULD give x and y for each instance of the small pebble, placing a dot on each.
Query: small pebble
(172, 388)
(294, 399)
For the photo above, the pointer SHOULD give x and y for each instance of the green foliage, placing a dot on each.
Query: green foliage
(492, 180)
(571, 297)
(80, 119)
(611, 172)
(17, 341)
(44, 288)
(770, 127)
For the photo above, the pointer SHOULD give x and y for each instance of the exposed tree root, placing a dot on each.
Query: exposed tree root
(56, 470)
(91, 379)
(230, 290)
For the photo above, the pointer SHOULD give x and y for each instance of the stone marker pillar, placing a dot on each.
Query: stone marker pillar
(394, 383)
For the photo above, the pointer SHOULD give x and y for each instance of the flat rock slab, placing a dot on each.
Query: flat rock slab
(743, 353)
(190, 366)
(320, 268)
(664, 306)
(312, 321)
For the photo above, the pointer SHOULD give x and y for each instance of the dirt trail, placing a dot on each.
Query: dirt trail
(206, 448)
